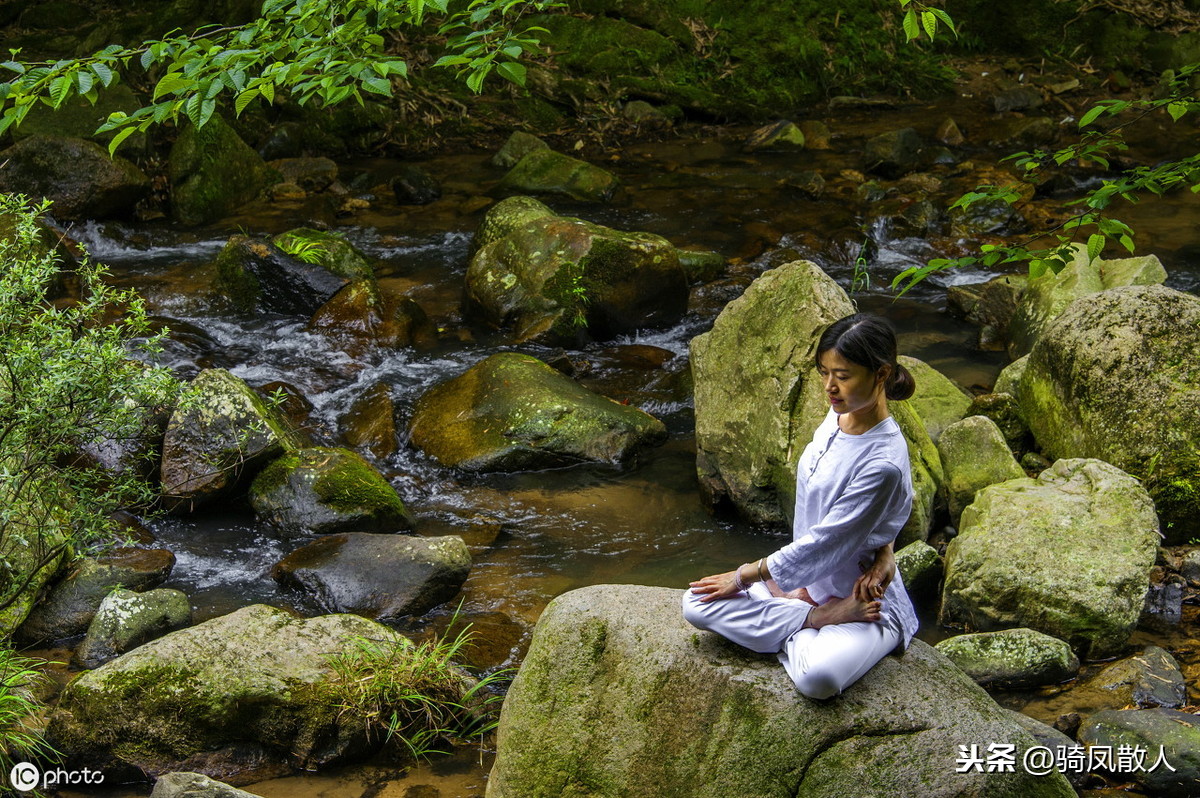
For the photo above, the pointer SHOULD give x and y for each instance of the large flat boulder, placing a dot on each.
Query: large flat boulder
(619, 696)
(1116, 377)
(512, 412)
(1068, 554)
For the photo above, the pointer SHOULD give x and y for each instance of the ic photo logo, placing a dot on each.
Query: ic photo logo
(24, 776)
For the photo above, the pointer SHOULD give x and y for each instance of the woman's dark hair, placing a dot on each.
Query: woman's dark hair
(869, 341)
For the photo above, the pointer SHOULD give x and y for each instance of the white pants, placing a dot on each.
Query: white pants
(822, 662)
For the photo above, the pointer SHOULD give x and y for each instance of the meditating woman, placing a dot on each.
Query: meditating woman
(827, 603)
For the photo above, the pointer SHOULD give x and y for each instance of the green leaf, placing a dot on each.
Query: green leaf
(192, 109)
(1037, 267)
(1095, 246)
(1091, 115)
(946, 20)
(60, 87)
(171, 83)
(911, 27)
(378, 86)
(452, 60)
(1127, 242)
(475, 79)
(1177, 110)
(929, 22)
(14, 66)
(84, 81)
(122, 134)
(103, 73)
(512, 71)
(244, 99)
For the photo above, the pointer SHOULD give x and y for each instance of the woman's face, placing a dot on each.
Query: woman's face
(849, 386)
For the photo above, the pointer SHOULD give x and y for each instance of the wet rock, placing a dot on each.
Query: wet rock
(894, 153)
(1052, 738)
(1149, 679)
(809, 183)
(1032, 131)
(513, 412)
(361, 315)
(938, 400)
(126, 620)
(286, 192)
(517, 146)
(310, 174)
(921, 568)
(1189, 567)
(817, 135)
(236, 698)
(1003, 411)
(644, 113)
(258, 273)
(988, 217)
(377, 576)
(293, 404)
(1115, 377)
(213, 173)
(1067, 554)
(1012, 658)
(415, 186)
(781, 135)
(371, 422)
(640, 356)
(548, 172)
(974, 455)
(1173, 734)
(77, 175)
(912, 219)
(948, 133)
(320, 491)
(69, 607)
(554, 279)
(1020, 99)
(757, 406)
(133, 453)
(1047, 296)
(195, 785)
(219, 435)
(1164, 601)
(991, 304)
(701, 267)
(589, 668)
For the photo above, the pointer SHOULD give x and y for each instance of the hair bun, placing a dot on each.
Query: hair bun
(900, 384)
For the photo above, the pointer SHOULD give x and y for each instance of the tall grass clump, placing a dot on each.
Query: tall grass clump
(20, 740)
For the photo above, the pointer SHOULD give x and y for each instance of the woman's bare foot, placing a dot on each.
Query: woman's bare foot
(844, 610)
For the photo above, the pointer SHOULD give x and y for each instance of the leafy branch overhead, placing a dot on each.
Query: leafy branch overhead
(323, 51)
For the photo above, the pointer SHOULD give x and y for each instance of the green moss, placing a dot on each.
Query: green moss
(351, 486)
(330, 250)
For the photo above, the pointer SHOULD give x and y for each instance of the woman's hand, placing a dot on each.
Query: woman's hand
(717, 586)
(877, 576)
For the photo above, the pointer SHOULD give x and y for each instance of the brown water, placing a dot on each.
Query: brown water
(563, 529)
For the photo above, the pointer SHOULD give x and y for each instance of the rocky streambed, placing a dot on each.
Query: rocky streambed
(609, 384)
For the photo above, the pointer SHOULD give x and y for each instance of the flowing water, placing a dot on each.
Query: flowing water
(535, 535)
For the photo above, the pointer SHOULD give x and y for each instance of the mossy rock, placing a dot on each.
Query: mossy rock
(975, 455)
(256, 274)
(320, 491)
(219, 436)
(758, 398)
(213, 173)
(782, 135)
(1068, 554)
(126, 620)
(236, 697)
(1116, 377)
(938, 400)
(78, 176)
(30, 561)
(328, 250)
(1169, 732)
(517, 146)
(512, 412)
(554, 279)
(920, 566)
(1012, 658)
(548, 172)
(615, 685)
(1047, 296)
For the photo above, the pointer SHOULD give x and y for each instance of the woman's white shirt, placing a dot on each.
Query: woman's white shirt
(853, 495)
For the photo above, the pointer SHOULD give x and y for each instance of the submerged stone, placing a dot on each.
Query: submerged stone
(548, 172)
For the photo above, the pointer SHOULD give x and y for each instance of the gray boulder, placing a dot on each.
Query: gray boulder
(553, 278)
(319, 491)
(1047, 296)
(938, 400)
(237, 698)
(220, 433)
(758, 398)
(1174, 734)
(195, 785)
(77, 175)
(1068, 554)
(213, 173)
(126, 620)
(1115, 377)
(512, 412)
(543, 171)
(974, 455)
(1012, 658)
(596, 709)
(377, 576)
(70, 605)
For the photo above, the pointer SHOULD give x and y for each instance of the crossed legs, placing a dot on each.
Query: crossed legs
(822, 662)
